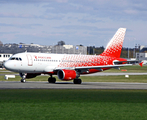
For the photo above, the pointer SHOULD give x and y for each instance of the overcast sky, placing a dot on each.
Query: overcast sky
(86, 22)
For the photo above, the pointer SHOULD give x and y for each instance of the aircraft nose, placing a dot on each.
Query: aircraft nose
(7, 65)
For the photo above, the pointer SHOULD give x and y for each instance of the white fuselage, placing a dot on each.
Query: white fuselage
(45, 63)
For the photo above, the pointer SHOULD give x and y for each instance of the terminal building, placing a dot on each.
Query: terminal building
(142, 55)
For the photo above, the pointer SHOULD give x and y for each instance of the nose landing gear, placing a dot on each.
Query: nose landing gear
(23, 76)
(23, 80)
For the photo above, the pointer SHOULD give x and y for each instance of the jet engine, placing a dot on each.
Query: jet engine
(66, 74)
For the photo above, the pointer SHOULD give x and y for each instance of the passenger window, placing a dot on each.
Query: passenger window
(20, 59)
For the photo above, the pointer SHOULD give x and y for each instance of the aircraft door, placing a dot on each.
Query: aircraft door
(30, 60)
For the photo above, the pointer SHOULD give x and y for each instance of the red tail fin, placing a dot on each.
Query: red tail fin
(114, 47)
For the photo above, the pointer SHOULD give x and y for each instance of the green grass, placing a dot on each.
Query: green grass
(130, 69)
(120, 78)
(37, 104)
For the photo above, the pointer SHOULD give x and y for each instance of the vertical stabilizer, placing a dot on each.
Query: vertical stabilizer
(114, 47)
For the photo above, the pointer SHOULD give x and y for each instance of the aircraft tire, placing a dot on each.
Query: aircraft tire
(52, 80)
(77, 81)
(23, 80)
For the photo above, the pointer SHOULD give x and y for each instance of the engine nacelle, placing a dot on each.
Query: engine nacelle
(67, 74)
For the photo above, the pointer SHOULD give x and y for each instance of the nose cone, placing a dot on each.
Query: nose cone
(7, 65)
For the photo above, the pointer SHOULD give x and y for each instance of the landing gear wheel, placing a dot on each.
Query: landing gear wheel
(23, 80)
(52, 80)
(23, 76)
(77, 81)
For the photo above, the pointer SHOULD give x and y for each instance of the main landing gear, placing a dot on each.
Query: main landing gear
(52, 79)
(77, 81)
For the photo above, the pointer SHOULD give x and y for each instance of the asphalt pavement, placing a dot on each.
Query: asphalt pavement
(70, 85)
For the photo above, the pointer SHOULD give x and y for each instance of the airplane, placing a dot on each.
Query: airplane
(68, 66)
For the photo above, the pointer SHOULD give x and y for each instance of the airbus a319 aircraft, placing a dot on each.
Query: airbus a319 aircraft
(68, 66)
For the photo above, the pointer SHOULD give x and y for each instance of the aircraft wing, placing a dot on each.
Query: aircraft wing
(94, 67)
(104, 66)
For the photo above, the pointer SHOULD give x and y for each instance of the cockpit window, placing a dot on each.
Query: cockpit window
(15, 58)
(12, 58)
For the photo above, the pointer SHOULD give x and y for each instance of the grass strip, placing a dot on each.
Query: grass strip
(39, 104)
(120, 78)
(130, 69)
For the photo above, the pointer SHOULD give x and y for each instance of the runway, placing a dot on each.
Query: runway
(70, 85)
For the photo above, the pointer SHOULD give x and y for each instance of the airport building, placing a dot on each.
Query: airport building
(58, 49)
(4, 56)
(69, 49)
(142, 55)
(143, 48)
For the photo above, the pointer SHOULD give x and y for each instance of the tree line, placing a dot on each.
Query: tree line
(125, 53)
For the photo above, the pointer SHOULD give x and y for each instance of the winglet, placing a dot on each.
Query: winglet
(114, 47)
